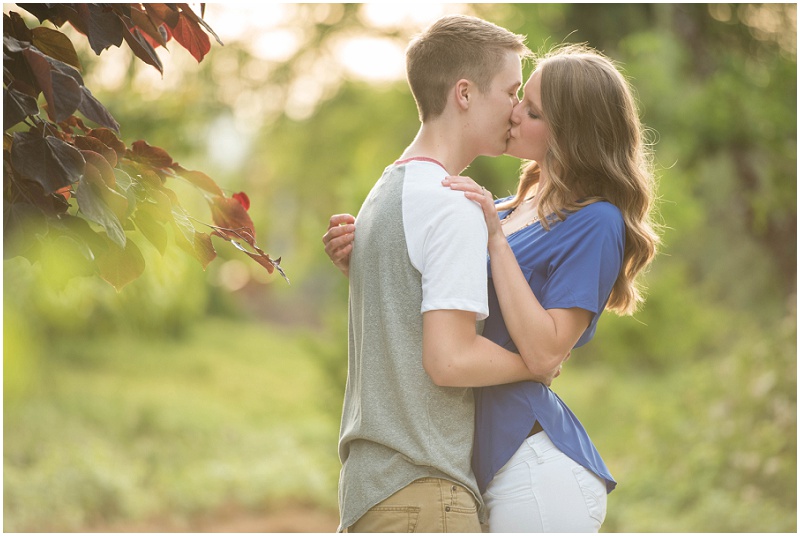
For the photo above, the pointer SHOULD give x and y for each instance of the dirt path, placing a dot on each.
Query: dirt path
(288, 518)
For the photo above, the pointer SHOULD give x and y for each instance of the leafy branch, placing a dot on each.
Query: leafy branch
(116, 188)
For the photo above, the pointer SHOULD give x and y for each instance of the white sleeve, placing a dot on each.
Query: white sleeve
(446, 236)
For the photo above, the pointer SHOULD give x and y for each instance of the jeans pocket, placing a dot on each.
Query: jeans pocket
(388, 519)
(461, 500)
(594, 493)
(512, 483)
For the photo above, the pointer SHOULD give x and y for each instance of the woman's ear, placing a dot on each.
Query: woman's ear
(463, 89)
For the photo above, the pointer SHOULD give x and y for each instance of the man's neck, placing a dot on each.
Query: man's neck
(433, 141)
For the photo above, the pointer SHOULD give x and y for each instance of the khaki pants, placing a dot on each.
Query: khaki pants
(425, 505)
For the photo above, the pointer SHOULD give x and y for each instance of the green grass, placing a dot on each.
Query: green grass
(124, 428)
(707, 447)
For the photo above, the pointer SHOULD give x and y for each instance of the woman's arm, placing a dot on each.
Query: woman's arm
(543, 337)
(338, 241)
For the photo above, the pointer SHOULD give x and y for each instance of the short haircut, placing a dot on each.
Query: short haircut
(452, 48)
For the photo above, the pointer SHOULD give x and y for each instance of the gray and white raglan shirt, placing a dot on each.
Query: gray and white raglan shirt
(419, 247)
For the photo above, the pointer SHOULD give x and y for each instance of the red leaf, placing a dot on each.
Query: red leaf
(76, 122)
(62, 92)
(15, 26)
(95, 111)
(242, 198)
(49, 161)
(65, 191)
(148, 28)
(90, 143)
(151, 155)
(143, 47)
(199, 179)
(186, 10)
(103, 166)
(108, 137)
(104, 27)
(162, 13)
(189, 34)
(16, 107)
(230, 215)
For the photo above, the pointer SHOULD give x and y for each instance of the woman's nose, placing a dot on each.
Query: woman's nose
(515, 114)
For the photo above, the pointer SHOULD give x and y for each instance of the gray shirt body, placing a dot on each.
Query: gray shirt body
(397, 425)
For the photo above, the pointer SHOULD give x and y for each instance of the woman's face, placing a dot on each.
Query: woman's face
(529, 133)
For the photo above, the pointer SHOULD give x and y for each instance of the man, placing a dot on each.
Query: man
(417, 286)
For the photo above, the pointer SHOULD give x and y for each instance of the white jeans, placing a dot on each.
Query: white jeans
(540, 489)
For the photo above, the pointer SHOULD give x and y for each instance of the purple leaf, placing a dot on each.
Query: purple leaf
(51, 162)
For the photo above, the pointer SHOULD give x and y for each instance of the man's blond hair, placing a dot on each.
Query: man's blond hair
(452, 48)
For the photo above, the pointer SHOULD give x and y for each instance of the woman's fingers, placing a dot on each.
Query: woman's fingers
(465, 184)
(337, 238)
(339, 224)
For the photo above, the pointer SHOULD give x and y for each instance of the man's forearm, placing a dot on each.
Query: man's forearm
(455, 356)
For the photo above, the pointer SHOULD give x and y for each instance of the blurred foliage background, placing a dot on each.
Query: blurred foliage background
(194, 392)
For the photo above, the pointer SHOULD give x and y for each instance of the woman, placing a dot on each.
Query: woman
(568, 245)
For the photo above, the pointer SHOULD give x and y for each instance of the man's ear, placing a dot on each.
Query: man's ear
(463, 89)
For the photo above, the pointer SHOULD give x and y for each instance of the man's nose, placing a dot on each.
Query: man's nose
(515, 114)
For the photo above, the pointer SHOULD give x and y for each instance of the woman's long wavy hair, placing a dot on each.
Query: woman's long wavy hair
(596, 152)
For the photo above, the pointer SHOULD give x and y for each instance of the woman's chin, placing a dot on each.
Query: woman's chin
(515, 152)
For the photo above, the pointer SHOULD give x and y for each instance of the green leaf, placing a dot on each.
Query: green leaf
(126, 186)
(94, 208)
(152, 230)
(121, 265)
(183, 225)
(203, 248)
(56, 45)
(81, 231)
(22, 223)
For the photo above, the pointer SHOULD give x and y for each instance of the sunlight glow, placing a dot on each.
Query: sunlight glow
(277, 45)
(414, 15)
(372, 59)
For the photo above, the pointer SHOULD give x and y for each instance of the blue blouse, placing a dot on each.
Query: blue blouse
(575, 264)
